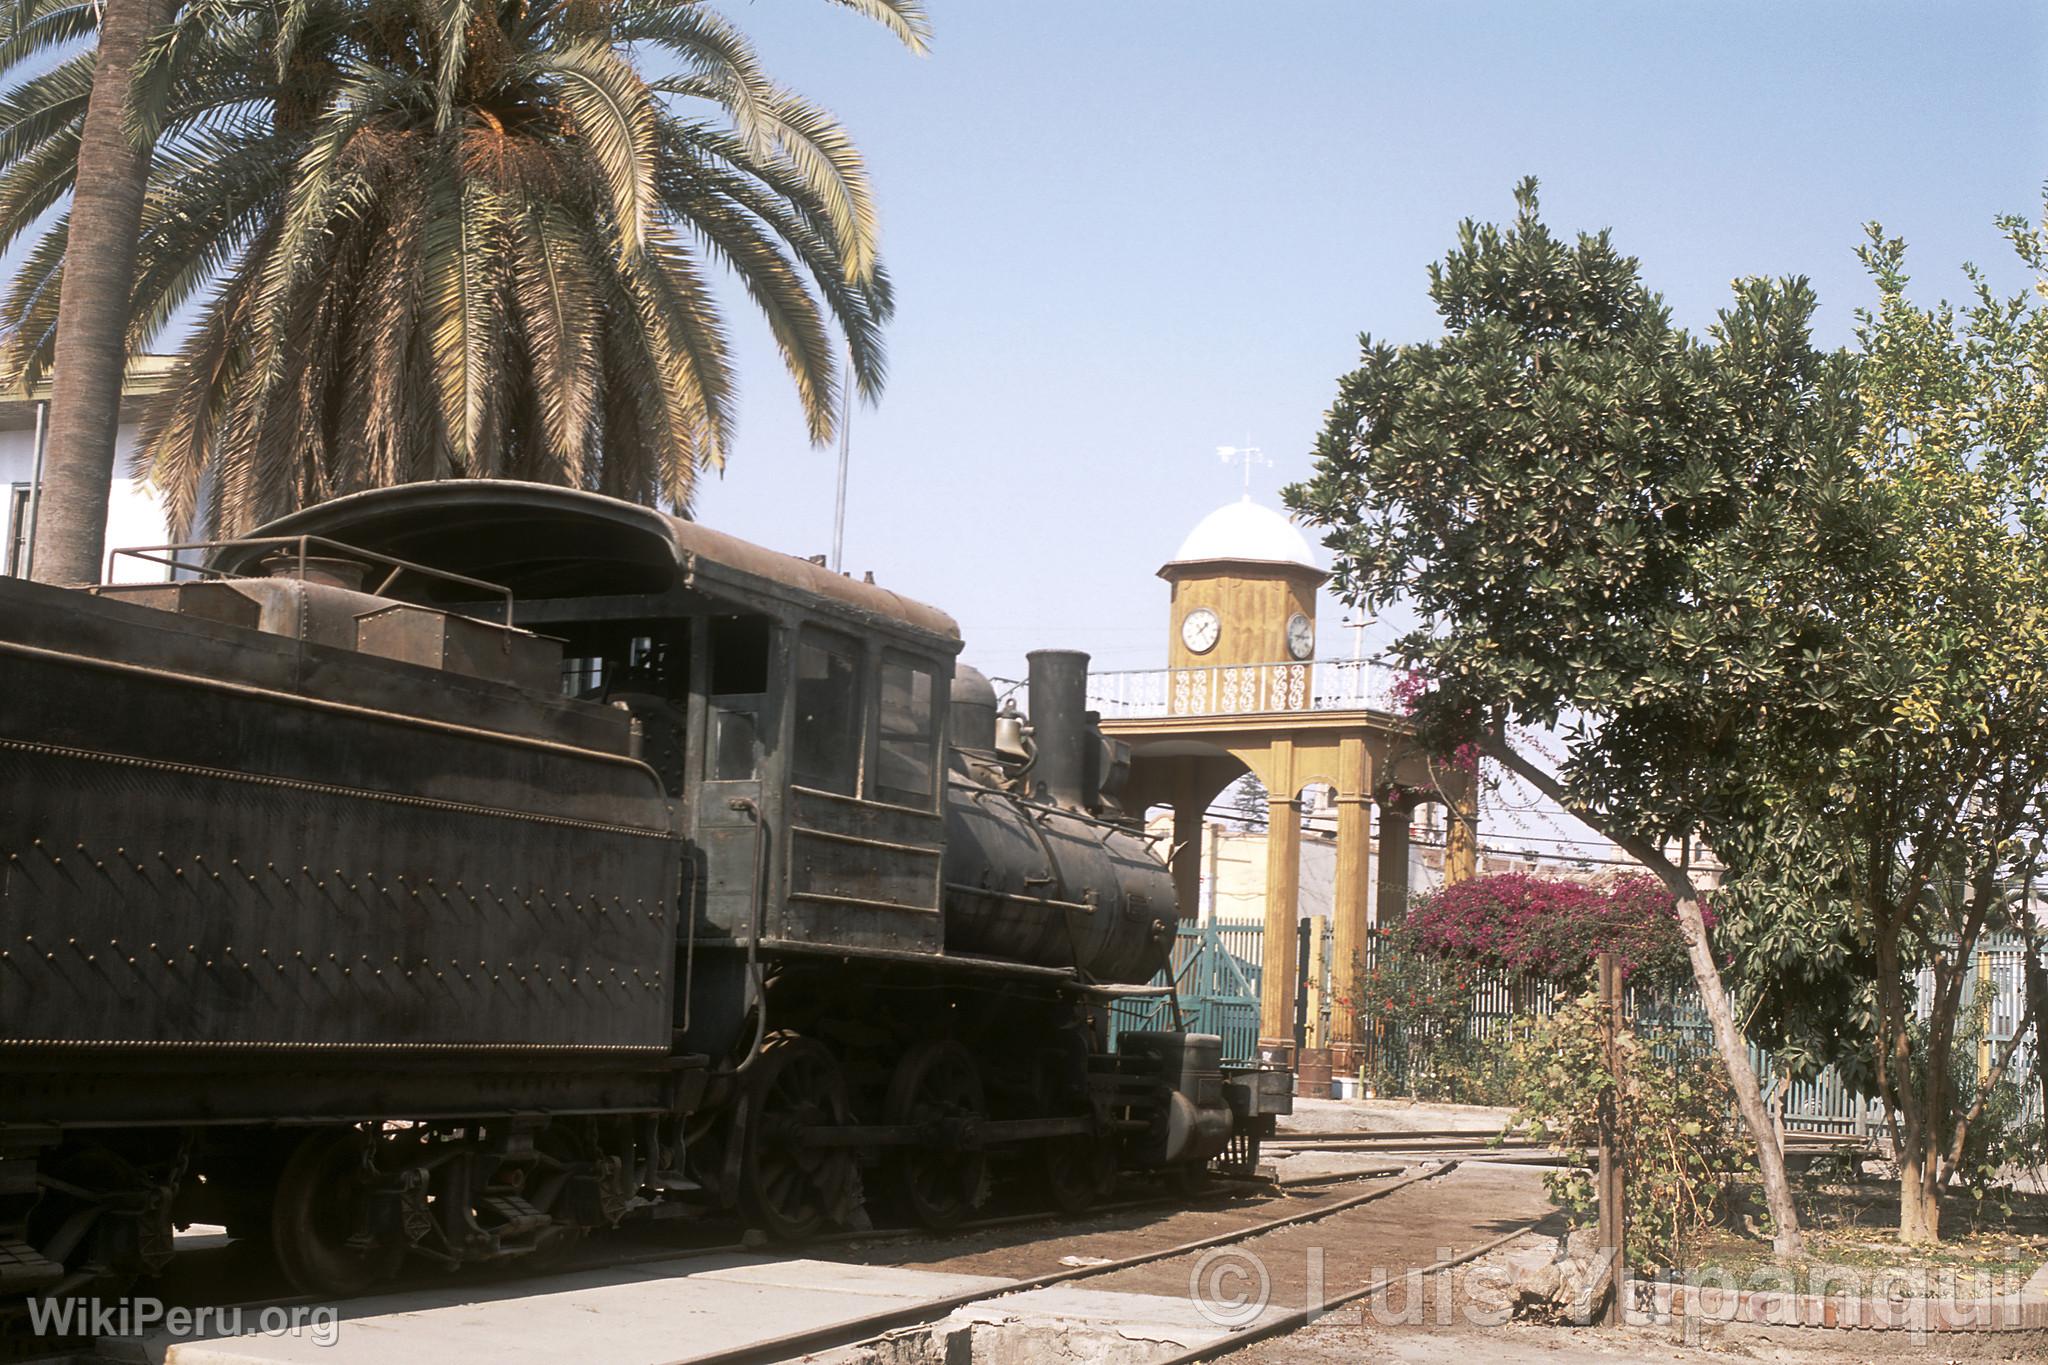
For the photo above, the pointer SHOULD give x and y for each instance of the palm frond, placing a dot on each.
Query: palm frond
(904, 18)
(53, 24)
(44, 104)
(557, 308)
(324, 185)
(684, 321)
(718, 62)
(703, 177)
(776, 286)
(615, 124)
(462, 307)
(832, 170)
(28, 314)
(177, 441)
(201, 211)
(449, 36)
(221, 34)
(37, 180)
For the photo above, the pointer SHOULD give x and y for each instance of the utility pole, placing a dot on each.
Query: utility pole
(845, 450)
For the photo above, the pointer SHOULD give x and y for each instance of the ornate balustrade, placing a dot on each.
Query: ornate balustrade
(1246, 689)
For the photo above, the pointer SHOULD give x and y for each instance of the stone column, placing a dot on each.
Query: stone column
(1461, 830)
(1283, 882)
(1395, 823)
(1354, 868)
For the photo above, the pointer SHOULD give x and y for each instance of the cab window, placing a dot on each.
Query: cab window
(739, 647)
(828, 713)
(908, 733)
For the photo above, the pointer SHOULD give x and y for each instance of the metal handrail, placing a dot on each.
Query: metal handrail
(1287, 685)
(153, 554)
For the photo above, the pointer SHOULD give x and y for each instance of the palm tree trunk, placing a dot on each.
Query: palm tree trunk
(92, 314)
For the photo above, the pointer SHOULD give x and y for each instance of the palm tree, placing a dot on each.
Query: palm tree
(86, 401)
(437, 238)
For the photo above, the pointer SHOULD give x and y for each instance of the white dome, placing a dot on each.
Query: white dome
(1245, 530)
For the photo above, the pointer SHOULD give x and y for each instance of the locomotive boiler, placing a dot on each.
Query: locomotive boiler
(446, 871)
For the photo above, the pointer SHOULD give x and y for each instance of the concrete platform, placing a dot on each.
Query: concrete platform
(1061, 1322)
(666, 1311)
(1328, 1164)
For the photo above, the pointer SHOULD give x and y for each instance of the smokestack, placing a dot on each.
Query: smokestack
(1059, 725)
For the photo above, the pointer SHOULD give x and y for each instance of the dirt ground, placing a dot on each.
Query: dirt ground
(1453, 1318)
(1387, 1331)
(1408, 1227)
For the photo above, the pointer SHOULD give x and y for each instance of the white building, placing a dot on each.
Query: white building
(135, 515)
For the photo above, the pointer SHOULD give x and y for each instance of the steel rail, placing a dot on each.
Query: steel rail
(1303, 1317)
(813, 1340)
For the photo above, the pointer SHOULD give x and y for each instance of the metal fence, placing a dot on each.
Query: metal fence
(1247, 689)
(1215, 970)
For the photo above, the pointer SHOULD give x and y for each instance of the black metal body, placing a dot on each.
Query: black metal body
(279, 851)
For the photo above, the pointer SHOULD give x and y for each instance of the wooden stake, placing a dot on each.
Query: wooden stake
(1612, 1187)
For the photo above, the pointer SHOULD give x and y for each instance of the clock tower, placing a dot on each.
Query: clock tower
(1244, 591)
(1239, 697)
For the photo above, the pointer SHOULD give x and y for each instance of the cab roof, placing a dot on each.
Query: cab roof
(543, 541)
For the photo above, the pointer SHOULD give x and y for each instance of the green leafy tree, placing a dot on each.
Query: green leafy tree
(1929, 709)
(1587, 510)
(451, 239)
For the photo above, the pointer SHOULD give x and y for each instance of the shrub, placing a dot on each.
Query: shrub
(1680, 1147)
(1553, 929)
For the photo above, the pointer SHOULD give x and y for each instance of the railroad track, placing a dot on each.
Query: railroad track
(1466, 1139)
(1428, 1141)
(930, 1311)
(1222, 1191)
(1327, 1203)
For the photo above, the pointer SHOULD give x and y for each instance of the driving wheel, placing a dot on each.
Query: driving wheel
(787, 1186)
(941, 1180)
(1079, 1169)
(319, 1219)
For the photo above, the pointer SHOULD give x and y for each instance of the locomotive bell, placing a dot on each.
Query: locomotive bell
(1012, 734)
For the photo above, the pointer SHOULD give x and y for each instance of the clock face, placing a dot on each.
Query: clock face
(1301, 636)
(1199, 629)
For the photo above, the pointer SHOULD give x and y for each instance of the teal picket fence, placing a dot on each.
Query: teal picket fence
(1215, 971)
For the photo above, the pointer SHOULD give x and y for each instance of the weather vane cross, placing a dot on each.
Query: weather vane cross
(1247, 455)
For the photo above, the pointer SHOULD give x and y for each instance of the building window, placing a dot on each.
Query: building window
(828, 714)
(17, 529)
(909, 737)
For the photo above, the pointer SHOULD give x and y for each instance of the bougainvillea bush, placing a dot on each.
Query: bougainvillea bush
(1554, 930)
(1429, 1039)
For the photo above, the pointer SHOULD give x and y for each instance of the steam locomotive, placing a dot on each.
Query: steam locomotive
(447, 871)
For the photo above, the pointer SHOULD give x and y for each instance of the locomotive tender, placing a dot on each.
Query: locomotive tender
(448, 870)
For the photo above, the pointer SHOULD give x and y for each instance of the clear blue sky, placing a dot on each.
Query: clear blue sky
(1125, 232)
